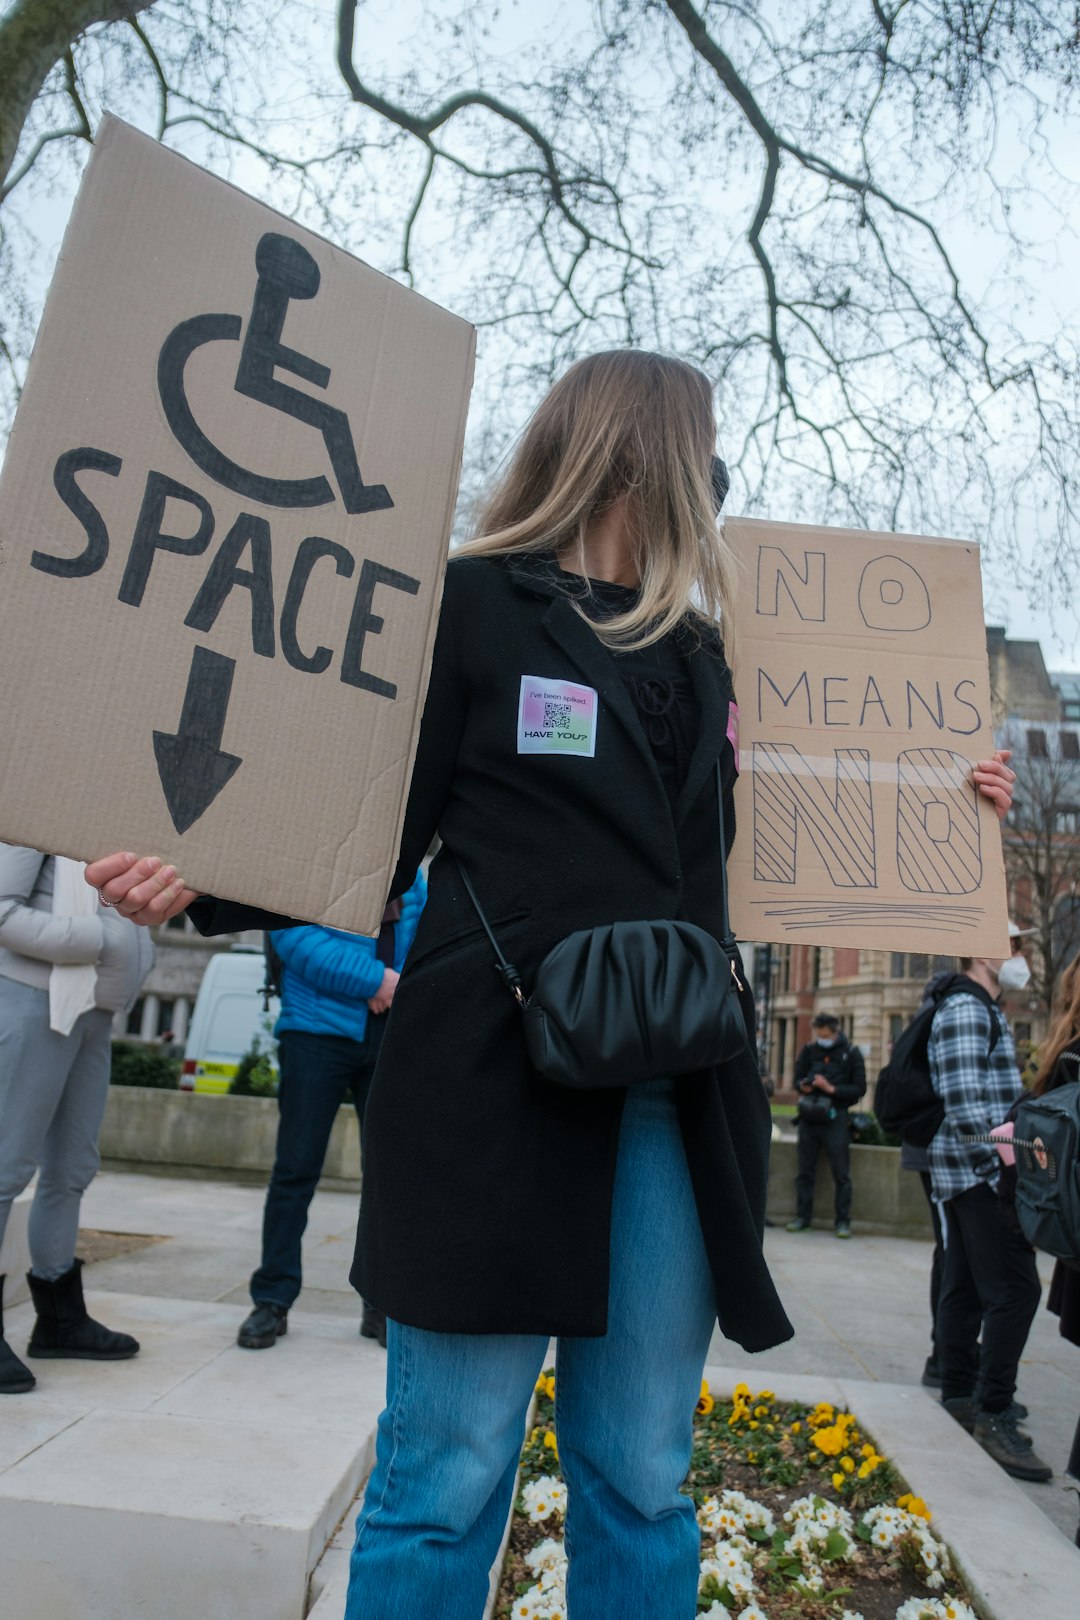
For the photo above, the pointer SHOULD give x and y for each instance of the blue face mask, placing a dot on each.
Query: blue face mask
(826, 1040)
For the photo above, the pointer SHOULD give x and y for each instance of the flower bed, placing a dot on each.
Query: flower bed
(801, 1519)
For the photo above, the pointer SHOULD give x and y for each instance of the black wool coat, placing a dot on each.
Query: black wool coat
(487, 1190)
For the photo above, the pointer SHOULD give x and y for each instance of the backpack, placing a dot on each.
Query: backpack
(273, 972)
(905, 1102)
(1047, 1143)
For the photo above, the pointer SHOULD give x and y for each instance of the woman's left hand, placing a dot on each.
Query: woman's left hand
(994, 780)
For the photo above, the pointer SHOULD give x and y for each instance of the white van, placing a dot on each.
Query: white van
(228, 1016)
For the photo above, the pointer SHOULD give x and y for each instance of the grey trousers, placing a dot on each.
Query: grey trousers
(53, 1090)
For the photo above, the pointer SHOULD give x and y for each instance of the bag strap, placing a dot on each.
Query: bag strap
(509, 974)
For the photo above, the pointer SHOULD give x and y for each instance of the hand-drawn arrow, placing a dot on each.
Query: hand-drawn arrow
(191, 765)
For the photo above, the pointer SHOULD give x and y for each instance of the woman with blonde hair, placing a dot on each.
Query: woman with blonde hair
(577, 759)
(1059, 1065)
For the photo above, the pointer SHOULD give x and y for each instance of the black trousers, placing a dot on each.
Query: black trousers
(835, 1138)
(315, 1073)
(937, 1264)
(991, 1284)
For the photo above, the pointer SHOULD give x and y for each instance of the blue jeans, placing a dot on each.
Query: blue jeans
(315, 1073)
(448, 1442)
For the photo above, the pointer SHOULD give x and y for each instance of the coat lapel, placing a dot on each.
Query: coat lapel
(710, 688)
(585, 650)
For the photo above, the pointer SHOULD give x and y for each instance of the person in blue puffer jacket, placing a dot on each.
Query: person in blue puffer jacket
(336, 990)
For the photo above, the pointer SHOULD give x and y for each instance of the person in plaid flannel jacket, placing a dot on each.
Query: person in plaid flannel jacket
(990, 1282)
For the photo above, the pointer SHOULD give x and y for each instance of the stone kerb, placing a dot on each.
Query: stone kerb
(886, 1201)
(233, 1136)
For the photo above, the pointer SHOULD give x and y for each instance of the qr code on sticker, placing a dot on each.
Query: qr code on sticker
(557, 714)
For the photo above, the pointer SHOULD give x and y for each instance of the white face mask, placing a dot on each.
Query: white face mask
(1014, 974)
(826, 1040)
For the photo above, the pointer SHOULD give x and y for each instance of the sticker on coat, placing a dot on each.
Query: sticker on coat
(556, 717)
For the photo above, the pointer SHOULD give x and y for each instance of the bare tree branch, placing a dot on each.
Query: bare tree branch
(34, 36)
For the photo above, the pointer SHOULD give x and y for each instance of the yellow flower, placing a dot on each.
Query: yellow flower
(867, 1451)
(761, 1411)
(704, 1386)
(838, 1480)
(766, 1395)
(796, 1428)
(914, 1505)
(831, 1441)
(814, 1456)
(705, 1404)
(741, 1392)
(847, 1465)
(551, 1442)
(753, 1424)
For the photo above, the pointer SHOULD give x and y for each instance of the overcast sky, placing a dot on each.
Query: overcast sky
(390, 32)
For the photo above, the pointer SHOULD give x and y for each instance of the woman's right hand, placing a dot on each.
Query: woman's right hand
(141, 888)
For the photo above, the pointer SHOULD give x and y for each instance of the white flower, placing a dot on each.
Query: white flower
(531, 1605)
(850, 1614)
(917, 1608)
(543, 1497)
(750, 1613)
(547, 1555)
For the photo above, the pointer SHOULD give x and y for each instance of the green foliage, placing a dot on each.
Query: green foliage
(255, 1074)
(866, 1131)
(143, 1066)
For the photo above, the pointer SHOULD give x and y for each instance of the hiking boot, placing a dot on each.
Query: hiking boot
(266, 1324)
(64, 1330)
(997, 1434)
(964, 1410)
(843, 1230)
(15, 1377)
(797, 1225)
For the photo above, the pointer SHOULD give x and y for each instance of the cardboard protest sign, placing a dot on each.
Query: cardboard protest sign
(860, 665)
(224, 518)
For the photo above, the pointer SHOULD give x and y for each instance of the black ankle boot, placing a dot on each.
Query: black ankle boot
(63, 1328)
(15, 1377)
(373, 1324)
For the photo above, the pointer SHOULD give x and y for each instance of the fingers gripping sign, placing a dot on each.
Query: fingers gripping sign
(994, 780)
(143, 889)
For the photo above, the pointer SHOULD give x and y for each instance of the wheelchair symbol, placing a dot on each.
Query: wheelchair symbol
(285, 270)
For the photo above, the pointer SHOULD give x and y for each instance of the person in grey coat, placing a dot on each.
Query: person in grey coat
(67, 964)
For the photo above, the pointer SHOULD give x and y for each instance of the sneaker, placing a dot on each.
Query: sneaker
(931, 1377)
(843, 1230)
(996, 1433)
(797, 1225)
(266, 1324)
(964, 1410)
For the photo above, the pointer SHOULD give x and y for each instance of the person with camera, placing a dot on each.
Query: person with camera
(830, 1076)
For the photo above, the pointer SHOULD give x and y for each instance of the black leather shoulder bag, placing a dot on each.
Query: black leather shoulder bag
(630, 1001)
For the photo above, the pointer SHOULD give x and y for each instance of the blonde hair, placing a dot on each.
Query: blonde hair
(621, 424)
(1065, 1027)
